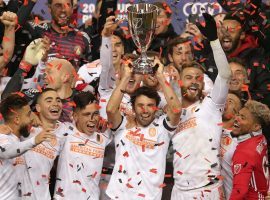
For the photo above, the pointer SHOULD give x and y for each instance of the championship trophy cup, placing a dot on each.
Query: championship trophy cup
(142, 19)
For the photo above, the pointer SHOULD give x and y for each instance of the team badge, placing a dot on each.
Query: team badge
(152, 132)
(78, 50)
(226, 140)
(237, 168)
(53, 142)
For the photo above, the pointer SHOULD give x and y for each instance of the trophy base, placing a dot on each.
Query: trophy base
(143, 66)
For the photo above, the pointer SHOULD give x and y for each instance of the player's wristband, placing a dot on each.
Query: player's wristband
(25, 66)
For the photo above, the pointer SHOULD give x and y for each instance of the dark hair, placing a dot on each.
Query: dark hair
(50, 2)
(239, 96)
(38, 97)
(179, 40)
(236, 16)
(164, 6)
(193, 64)
(82, 99)
(239, 61)
(145, 91)
(11, 104)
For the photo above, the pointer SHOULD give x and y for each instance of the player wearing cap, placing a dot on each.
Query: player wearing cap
(141, 142)
(80, 162)
(197, 139)
(250, 161)
(17, 115)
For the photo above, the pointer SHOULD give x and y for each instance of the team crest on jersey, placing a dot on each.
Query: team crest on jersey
(226, 140)
(152, 132)
(53, 142)
(237, 168)
(78, 50)
(259, 148)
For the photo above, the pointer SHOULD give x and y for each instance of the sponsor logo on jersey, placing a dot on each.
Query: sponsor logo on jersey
(43, 150)
(82, 148)
(19, 161)
(237, 168)
(140, 141)
(187, 124)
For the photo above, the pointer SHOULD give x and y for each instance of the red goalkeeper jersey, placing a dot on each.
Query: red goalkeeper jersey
(250, 169)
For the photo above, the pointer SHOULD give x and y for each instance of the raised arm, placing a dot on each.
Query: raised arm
(107, 75)
(9, 20)
(174, 105)
(10, 149)
(221, 85)
(112, 109)
(33, 54)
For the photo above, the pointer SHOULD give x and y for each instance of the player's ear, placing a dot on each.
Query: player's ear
(75, 116)
(256, 127)
(38, 108)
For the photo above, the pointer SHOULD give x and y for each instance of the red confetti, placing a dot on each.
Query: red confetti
(129, 186)
(179, 172)
(141, 195)
(154, 171)
(126, 154)
(162, 185)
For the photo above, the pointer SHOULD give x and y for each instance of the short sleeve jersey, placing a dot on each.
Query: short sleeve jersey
(80, 165)
(140, 160)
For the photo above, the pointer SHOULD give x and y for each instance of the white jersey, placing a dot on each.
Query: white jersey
(89, 72)
(197, 139)
(196, 144)
(140, 160)
(39, 162)
(80, 165)
(228, 145)
(10, 150)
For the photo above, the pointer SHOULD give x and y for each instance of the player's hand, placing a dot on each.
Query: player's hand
(4, 129)
(210, 28)
(9, 19)
(46, 42)
(158, 68)
(101, 125)
(35, 120)
(110, 26)
(44, 135)
(192, 30)
(128, 68)
(35, 51)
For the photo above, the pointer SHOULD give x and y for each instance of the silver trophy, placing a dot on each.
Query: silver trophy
(142, 18)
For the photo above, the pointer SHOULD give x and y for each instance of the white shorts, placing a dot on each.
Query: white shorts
(211, 192)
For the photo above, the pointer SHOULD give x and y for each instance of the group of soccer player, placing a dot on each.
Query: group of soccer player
(135, 119)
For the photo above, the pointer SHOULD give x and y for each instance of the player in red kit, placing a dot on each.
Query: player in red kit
(250, 163)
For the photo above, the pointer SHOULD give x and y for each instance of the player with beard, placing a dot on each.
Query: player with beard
(40, 160)
(81, 159)
(181, 52)
(18, 117)
(228, 143)
(141, 142)
(197, 138)
(250, 163)
(66, 41)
